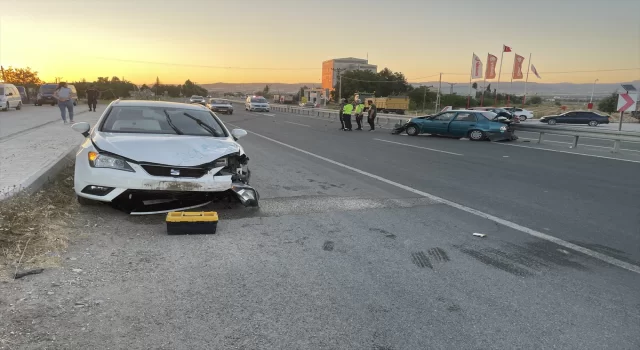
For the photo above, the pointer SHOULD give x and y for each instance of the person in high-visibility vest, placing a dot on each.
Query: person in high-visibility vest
(347, 110)
(340, 114)
(359, 113)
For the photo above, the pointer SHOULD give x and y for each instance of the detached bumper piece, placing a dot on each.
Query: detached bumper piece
(247, 195)
(191, 223)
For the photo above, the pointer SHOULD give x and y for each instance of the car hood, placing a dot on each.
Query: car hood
(176, 150)
(221, 105)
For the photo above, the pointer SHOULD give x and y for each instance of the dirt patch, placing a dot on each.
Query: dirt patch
(34, 227)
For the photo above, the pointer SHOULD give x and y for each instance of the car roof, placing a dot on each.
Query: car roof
(147, 103)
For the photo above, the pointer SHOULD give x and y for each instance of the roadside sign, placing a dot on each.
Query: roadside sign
(625, 101)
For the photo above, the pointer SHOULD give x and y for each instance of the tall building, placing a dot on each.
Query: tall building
(330, 69)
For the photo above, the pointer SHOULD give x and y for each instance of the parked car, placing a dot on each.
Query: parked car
(522, 114)
(46, 92)
(257, 103)
(9, 97)
(501, 112)
(476, 125)
(576, 117)
(198, 99)
(23, 94)
(309, 105)
(153, 156)
(220, 105)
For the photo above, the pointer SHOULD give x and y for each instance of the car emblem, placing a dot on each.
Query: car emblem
(175, 172)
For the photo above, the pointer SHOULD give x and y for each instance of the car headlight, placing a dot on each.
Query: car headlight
(222, 162)
(503, 128)
(97, 160)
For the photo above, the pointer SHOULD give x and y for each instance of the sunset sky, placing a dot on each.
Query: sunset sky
(287, 40)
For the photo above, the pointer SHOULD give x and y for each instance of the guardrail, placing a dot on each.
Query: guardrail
(382, 120)
(612, 135)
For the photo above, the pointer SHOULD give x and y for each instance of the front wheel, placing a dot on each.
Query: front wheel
(522, 118)
(412, 130)
(593, 123)
(19, 107)
(552, 122)
(6, 107)
(476, 135)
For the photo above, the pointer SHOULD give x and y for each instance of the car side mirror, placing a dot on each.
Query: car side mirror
(82, 127)
(238, 133)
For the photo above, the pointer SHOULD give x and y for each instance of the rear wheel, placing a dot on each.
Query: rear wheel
(19, 107)
(522, 118)
(593, 123)
(412, 130)
(552, 122)
(476, 135)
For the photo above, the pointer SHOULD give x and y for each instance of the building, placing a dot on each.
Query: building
(330, 69)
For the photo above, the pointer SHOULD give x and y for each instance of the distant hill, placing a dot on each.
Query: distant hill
(566, 90)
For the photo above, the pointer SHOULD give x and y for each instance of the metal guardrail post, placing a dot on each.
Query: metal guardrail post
(575, 141)
(616, 146)
(541, 137)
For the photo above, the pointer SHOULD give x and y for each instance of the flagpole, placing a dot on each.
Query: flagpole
(484, 82)
(499, 73)
(470, 78)
(524, 98)
(513, 69)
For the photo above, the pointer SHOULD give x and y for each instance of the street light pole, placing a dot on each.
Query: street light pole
(593, 89)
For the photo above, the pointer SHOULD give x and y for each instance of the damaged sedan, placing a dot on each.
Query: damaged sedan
(475, 125)
(148, 157)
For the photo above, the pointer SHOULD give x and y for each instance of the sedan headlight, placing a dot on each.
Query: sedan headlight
(222, 162)
(97, 160)
(503, 128)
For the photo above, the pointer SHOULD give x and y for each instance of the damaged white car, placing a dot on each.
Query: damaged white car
(149, 157)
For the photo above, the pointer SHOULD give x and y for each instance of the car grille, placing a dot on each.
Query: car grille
(162, 170)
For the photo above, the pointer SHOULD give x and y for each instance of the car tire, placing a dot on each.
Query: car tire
(6, 107)
(412, 130)
(85, 201)
(593, 123)
(522, 118)
(19, 107)
(552, 122)
(476, 135)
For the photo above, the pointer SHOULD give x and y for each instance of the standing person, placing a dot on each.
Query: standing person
(359, 113)
(63, 95)
(371, 117)
(346, 115)
(92, 97)
(340, 110)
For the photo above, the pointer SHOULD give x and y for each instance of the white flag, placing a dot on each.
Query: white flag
(476, 68)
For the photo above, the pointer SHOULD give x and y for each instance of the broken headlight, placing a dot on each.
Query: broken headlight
(222, 162)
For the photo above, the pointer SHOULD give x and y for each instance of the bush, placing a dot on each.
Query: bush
(609, 104)
(535, 100)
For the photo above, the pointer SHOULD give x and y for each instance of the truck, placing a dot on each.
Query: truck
(286, 99)
(391, 104)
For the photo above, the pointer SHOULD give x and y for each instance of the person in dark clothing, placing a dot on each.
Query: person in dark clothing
(371, 117)
(92, 97)
(341, 107)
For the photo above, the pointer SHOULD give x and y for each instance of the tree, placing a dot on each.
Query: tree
(535, 100)
(419, 100)
(609, 103)
(383, 84)
(265, 91)
(145, 87)
(22, 76)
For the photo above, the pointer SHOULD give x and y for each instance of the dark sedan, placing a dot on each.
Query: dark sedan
(576, 117)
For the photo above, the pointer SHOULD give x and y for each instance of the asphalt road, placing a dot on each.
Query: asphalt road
(336, 258)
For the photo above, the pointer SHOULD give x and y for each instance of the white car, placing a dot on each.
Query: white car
(257, 103)
(522, 114)
(152, 157)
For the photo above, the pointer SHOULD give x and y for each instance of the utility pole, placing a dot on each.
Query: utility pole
(451, 88)
(438, 95)
(339, 70)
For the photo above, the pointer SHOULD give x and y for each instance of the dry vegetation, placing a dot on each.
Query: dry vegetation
(34, 227)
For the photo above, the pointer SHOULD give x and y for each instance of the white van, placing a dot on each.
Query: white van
(257, 103)
(10, 97)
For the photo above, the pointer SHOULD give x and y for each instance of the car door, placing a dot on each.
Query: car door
(567, 118)
(438, 124)
(462, 123)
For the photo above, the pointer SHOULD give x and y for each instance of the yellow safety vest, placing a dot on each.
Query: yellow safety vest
(360, 108)
(348, 108)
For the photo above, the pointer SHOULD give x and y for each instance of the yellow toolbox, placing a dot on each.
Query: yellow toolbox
(191, 222)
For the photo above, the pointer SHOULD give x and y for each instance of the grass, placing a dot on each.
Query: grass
(34, 227)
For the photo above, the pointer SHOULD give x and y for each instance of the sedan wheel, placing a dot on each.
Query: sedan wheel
(593, 123)
(412, 130)
(522, 118)
(476, 135)
(552, 122)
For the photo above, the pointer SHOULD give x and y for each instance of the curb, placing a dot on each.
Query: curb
(44, 175)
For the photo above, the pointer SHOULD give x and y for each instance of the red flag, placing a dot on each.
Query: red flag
(517, 67)
(535, 71)
(491, 67)
(506, 48)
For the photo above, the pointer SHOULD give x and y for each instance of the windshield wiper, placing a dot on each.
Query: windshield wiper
(171, 123)
(203, 125)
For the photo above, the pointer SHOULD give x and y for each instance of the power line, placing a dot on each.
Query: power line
(592, 71)
(201, 66)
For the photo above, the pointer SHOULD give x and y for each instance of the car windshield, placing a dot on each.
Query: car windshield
(259, 100)
(21, 89)
(48, 89)
(153, 120)
(197, 97)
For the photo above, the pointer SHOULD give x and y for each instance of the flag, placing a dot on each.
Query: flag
(517, 67)
(491, 67)
(506, 48)
(476, 68)
(533, 69)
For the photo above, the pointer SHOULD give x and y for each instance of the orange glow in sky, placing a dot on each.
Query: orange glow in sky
(286, 41)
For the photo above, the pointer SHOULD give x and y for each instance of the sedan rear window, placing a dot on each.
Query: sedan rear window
(259, 100)
(153, 120)
(220, 102)
(48, 89)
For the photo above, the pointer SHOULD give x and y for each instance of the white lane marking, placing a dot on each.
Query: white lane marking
(534, 233)
(578, 154)
(583, 145)
(429, 149)
(308, 126)
(268, 114)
